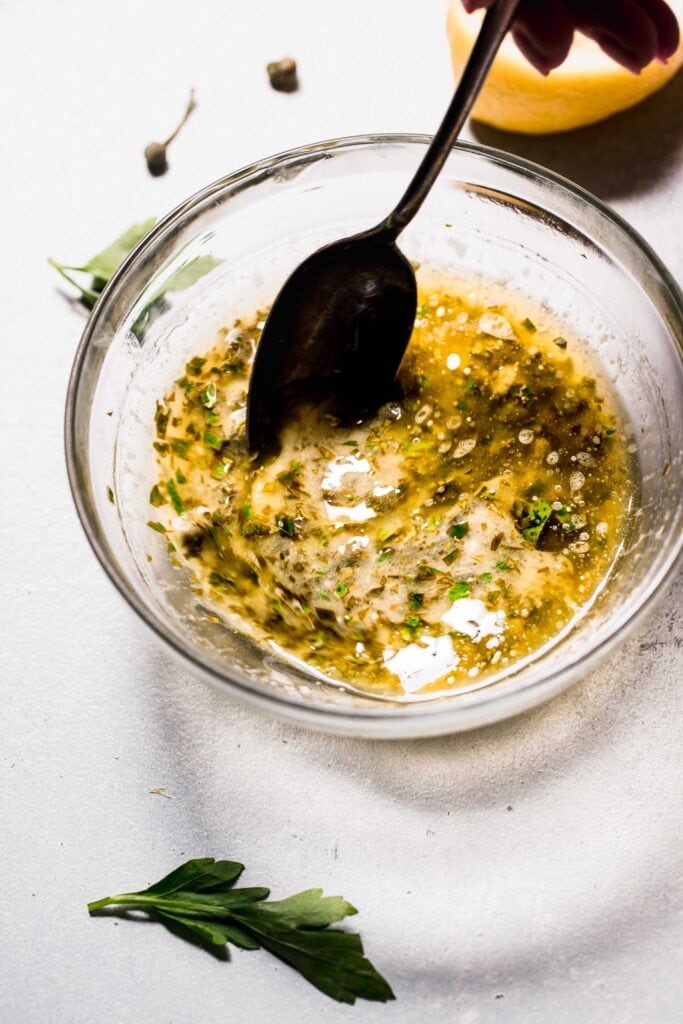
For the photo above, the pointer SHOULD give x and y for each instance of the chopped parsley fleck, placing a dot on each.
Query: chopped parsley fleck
(533, 519)
(461, 589)
(290, 477)
(458, 530)
(213, 440)
(180, 446)
(416, 601)
(341, 589)
(176, 500)
(286, 526)
(159, 527)
(156, 498)
(207, 396)
(195, 366)
(217, 579)
(220, 470)
(161, 417)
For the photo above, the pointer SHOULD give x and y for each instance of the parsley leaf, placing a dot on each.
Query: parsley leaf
(102, 266)
(198, 902)
(461, 589)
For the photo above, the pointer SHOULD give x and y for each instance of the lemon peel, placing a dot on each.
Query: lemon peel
(588, 87)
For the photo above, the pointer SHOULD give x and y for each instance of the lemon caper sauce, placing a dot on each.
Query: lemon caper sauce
(452, 535)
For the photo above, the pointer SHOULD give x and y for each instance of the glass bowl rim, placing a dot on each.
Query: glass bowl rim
(474, 709)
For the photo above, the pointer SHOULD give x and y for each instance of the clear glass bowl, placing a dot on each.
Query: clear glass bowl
(225, 253)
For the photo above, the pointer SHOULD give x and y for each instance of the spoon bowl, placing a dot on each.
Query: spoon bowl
(351, 308)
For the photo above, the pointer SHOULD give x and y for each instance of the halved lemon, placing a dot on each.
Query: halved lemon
(586, 88)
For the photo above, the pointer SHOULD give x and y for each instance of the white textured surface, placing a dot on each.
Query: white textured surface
(524, 874)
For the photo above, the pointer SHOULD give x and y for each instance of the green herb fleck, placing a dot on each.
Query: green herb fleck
(180, 446)
(341, 589)
(286, 526)
(458, 530)
(159, 527)
(221, 469)
(461, 589)
(161, 418)
(208, 396)
(290, 477)
(156, 498)
(176, 500)
(416, 601)
(217, 579)
(533, 520)
(195, 366)
(213, 440)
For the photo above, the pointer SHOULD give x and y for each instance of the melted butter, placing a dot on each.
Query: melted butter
(455, 534)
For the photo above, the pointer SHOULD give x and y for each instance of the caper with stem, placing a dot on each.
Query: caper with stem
(155, 152)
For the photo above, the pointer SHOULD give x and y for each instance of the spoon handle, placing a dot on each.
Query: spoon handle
(494, 27)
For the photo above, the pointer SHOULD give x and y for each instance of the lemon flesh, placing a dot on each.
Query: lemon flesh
(588, 87)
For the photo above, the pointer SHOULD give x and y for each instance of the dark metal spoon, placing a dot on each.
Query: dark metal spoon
(339, 327)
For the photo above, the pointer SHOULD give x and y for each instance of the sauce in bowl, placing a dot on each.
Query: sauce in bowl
(448, 538)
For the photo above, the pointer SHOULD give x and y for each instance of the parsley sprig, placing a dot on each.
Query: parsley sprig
(101, 267)
(198, 901)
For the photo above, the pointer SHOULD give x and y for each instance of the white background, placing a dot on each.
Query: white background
(528, 873)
